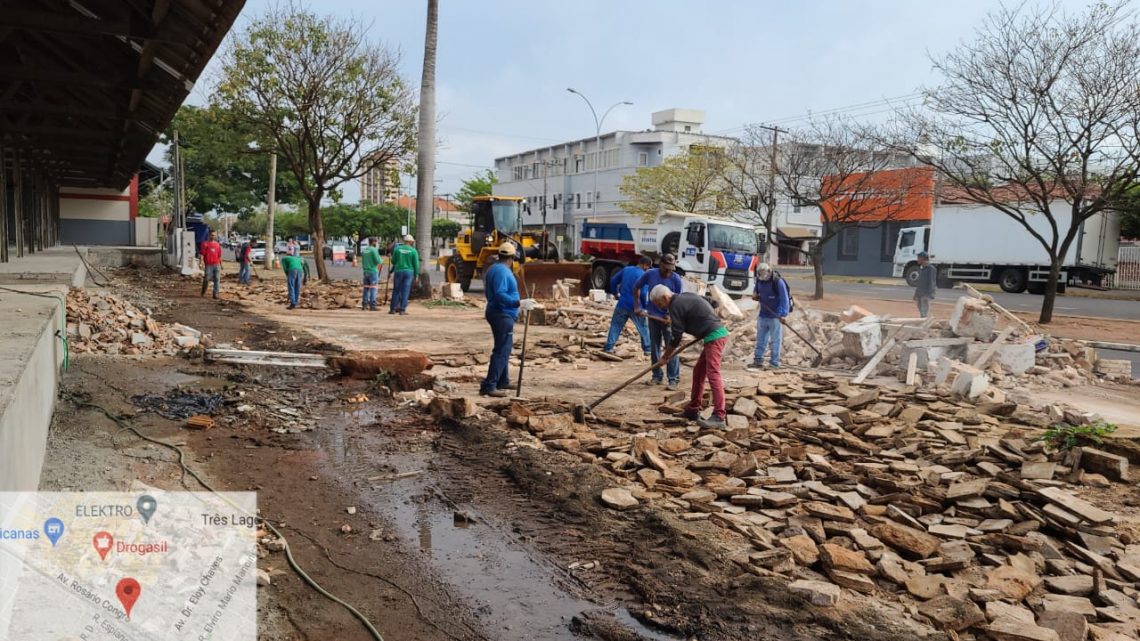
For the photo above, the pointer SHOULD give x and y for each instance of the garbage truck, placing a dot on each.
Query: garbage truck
(716, 250)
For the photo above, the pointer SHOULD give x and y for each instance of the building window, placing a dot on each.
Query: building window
(642, 159)
(889, 239)
(688, 128)
(589, 200)
(579, 164)
(577, 200)
(849, 243)
(556, 199)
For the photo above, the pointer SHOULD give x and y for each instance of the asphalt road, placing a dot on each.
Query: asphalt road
(1065, 305)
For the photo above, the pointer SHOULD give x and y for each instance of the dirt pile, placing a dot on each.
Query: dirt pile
(953, 507)
(101, 322)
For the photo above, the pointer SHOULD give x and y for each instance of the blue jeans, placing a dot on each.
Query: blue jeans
(503, 329)
(401, 288)
(923, 306)
(211, 274)
(659, 334)
(293, 279)
(769, 329)
(617, 324)
(368, 298)
(243, 273)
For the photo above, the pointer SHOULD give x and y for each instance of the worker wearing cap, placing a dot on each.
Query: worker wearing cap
(370, 262)
(405, 266)
(665, 274)
(925, 284)
(775, 303)
(503, 305)
(692, 314)
(622, 284)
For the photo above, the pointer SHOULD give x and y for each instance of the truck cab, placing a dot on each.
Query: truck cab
(720, 252)
(912, 241)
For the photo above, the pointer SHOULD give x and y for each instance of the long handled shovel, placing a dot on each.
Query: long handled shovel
(580, 411)
(522, 356)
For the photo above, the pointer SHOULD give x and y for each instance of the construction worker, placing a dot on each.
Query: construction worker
(244, 261)
(658, 318)
(622, 284)
(503, 305)
(211, 251)
(293, 266)
(692, 314)
(370, 266)
(925, 285)
(775, 303)
(405, 266)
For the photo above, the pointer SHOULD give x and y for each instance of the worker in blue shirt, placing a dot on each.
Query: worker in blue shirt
(622, 284)
(503, 305)
(772, 294)
(665, 274)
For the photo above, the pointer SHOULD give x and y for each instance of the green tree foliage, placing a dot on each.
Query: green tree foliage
(1129, 209)
(478, 185)
(223, 157)
(363, 220)
(688, 182)
(331, 103)
(444, 228)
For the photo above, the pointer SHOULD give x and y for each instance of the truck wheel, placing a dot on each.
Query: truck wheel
(910, 274)
(458, 271)
(599, 276)
(1012, 280)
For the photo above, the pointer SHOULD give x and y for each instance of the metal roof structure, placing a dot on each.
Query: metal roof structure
(87, 86)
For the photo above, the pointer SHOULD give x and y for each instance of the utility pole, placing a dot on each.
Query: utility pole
(270, 207)
(772, 163)
(545, 239)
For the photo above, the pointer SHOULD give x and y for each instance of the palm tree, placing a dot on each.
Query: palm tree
(425, 177)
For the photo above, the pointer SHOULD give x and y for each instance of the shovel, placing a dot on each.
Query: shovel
(818, 354)
(522, 356)
(580, 411)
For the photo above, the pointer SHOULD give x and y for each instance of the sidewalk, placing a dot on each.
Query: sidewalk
(805, 273)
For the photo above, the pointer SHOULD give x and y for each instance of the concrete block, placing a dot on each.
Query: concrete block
(598, 295)
(973, 317)
(854, 313)
(862, 338)
(1015, 358)
(970, 381)
(452, 291)
(1114, 367)
(931, 349)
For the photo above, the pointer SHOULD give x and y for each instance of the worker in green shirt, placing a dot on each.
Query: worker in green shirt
(294, 267)
(405, 266)
(370, 264)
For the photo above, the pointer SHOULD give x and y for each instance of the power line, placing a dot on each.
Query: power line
(857, 107)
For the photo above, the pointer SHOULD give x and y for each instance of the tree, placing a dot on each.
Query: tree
(330, 103)
(226, 168)
(1129, 209)
(688, 182)
(750, 179)
(1038, 117)
(836, 166)
(444, 228)
(481, 184)
(425, 161)
(364, 220)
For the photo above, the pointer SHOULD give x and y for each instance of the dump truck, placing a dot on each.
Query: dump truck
(716, 250)
(979, 244)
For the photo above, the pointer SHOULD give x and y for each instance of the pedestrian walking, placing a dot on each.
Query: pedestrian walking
(405, 266)
(925, 285)
(658, 318)
(775, 303)
(294, 277)
(503, 304)
(692, 314)
(243, 259)
(211, 252)
(623, 285)
(370, 265)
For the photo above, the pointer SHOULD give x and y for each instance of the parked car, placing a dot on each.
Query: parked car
(257, 252)
(349, 252)
(279, 247)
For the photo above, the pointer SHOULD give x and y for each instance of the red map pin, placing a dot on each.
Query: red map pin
(128, 591)
(103, 541)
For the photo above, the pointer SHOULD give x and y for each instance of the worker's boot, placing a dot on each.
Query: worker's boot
(691, 415)
(755, 364)
(713, 422)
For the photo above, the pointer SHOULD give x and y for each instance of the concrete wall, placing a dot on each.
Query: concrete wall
(869, 260)
(30, 360)
(98, 216)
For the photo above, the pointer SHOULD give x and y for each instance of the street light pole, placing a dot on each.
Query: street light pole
(597, 138)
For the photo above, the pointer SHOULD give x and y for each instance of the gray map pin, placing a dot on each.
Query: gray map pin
(146, 506)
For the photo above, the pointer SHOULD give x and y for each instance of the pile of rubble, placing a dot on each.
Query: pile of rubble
(951, 507)
(341, 294)
(103, 323)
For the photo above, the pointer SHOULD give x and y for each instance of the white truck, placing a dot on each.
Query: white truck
(979, 244)
(716, 250)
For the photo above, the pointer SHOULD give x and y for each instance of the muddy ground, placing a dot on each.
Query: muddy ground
(460, 531)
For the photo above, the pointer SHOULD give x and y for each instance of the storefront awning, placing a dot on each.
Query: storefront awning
(797, 233)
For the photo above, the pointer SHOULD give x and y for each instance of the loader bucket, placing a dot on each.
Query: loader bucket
(540, 277)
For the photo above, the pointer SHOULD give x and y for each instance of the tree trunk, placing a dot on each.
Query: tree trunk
(817, 267)
(1050, 292)
(317, 226)
(425, 161)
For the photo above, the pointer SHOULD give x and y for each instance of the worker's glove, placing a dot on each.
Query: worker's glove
(528, 304)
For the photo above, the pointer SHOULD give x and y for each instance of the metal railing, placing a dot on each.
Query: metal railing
(1127, 274)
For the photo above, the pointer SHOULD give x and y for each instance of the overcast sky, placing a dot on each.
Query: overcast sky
(504, 65)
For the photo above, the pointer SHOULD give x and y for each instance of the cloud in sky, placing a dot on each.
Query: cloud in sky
(504, 65)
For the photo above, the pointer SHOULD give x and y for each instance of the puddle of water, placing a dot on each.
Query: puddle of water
(515, 596)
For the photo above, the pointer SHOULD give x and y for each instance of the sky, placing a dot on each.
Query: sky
(503, 66)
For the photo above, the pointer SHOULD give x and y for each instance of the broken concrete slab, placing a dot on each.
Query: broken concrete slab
(819, 593)
(972, 317)
(619, 498)
(951, 613)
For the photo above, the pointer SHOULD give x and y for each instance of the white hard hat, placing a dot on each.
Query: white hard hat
(507, 248)
(659, 292)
